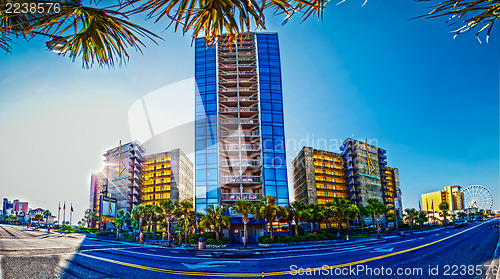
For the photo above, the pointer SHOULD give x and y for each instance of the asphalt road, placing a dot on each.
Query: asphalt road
(446, 253)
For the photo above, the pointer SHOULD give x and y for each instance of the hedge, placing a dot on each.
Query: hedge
(211, 241)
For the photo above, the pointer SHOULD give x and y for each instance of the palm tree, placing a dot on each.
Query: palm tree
(157, 211)
(149, 214)
(183, 209)
(316, 215)
(46, 214)
(480, 14)
(462, 215)
(68, 26)
(378, 209)
(245, 209)
(411, 216)
(215, 218)
(38, 216)
(268, 210)
(339, 211)
(422, 218)
(90, 218)
(363, 212)
(301, 213)
(138, 213)
(122, 217)
(168, 210)
(351, 213)
(444, 206)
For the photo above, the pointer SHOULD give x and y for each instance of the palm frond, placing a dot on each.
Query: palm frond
(98, 35)
(480, 14)
(222, 20)
(4, 42)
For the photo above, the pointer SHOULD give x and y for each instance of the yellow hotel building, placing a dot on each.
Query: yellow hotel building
(130, 178)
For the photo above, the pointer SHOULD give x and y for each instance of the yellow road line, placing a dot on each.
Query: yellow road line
(267, 274)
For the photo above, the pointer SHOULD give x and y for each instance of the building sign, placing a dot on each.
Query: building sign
(368, 175)
(120, 178)
(396, 203)
(108, 208)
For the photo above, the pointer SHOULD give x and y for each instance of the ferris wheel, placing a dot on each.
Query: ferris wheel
(477, 196)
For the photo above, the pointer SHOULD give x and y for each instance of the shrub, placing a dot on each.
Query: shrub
(261, 238)
(279, 239)
(296, 238)
(128, 239)
(330, 236)
(210, 235)
(303, 237)
(194, 238)
(192, 241)
(320, 232)
(312, 237)
(268, 241)
(321, 236)
(223, 241)
(210, 241)
(301, 230)
(287, 239)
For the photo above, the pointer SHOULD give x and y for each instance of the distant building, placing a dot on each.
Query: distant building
(451, 195)
(130, 177)
(30, 217)
(15, 207)
(360, 173)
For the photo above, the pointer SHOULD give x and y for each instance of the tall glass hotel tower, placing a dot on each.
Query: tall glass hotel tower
(240, 141)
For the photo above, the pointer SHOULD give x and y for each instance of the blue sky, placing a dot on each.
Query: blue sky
(430, 100)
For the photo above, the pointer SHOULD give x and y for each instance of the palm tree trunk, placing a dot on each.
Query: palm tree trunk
(296, 227)
(154, 227)
(168, 233)
(378, 227)
(338, 229)
(271, 230)
(216, 234)
(149, 226)
(245, 234)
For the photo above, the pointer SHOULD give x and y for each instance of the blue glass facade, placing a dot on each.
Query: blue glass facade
(271, 107)
(206, 181)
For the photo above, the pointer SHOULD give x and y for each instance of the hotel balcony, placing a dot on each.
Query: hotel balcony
(241, 196)
(240, 99)
(239, 121)
(241, 179)
(234, 73)
(232, 110)
(242, 147)
(242, 163)
(238, 133)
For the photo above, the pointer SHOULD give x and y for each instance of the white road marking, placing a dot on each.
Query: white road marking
(382, 250)
(209, 264)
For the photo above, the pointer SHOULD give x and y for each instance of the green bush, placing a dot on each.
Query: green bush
(193, 237)
(210, 235)
(223, 241)
(296, 238)
(320, 232)
(268, 241)
(312, 237)
(261, 238)
(192, 241)
(330, 236)
(303, 237)
(128, 239)
(321, 236)
(279, 239)
(211, 241)
(288, 239)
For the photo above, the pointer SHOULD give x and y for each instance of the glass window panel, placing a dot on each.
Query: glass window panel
(201, 192)
(269, 174)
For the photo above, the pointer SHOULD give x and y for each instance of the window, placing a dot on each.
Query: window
(333, 179)
(333, 188)
(323, 164)
(162, 173)
(326, 193)
(161, 195)
(162, 180)
(322, 157)
(324, 178)
(162, 188)
(326, 187)
(153, 196)
(154, 189)
(335, 194)
(326, 200)
(324, 172)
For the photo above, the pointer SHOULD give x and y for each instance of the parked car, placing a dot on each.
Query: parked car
(460, 223)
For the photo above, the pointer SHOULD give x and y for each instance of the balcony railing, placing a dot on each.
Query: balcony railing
(242, 147)
(236, 72)
(253, 88)
(243, 179)
(240, 133)
(239, 121)
(236, 59)
(235, 99)
(248, 109)
(238, 163)
(241, 196)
